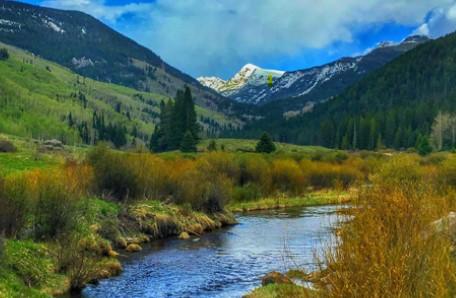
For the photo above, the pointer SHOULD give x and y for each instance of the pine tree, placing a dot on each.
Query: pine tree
(265, 145)
(188, 142)
(423, 146)
(175, 120)
(212, 146)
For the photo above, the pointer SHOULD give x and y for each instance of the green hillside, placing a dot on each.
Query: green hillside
(42, 100)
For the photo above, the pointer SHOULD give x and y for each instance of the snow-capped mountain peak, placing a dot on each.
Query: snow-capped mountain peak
(249, 75)
(250, 84)
(215, 83)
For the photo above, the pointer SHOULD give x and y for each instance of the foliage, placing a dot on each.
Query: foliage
(392, 227)
(188, 143)
(15, 205)
(178, 128)
(212, 146)
(7, 146)
(422, 146)
(4, 54)
(390, 107)
(265, 145)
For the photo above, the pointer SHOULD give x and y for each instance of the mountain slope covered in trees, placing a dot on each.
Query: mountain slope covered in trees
(42, 100)
(391, 107)
(92, 49)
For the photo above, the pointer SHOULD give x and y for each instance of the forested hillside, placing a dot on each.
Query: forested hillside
(42, 100)
(92, 49)
(391, 107)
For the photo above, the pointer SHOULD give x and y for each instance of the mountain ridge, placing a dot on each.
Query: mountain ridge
(321, 82)
(92, 49)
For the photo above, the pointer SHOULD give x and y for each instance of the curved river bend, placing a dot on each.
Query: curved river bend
(226, 263)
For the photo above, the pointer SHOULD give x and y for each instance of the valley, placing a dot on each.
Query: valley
(132, 165)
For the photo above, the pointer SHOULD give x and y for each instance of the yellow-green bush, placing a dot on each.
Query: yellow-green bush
(287, 176)
(15, 205)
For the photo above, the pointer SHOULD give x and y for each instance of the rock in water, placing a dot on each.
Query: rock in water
(275, 278)
(133, 248)
(184, 236)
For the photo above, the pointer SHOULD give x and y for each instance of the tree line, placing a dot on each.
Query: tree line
(178, 128)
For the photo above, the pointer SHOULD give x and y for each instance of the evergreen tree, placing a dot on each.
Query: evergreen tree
(423, 146)
(154, 144)
(175, 120)
(188, 142)
(212, 146)
(265, 145)
(4, 55)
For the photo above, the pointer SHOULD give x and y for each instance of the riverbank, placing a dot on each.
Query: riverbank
(112, 230)
(317, 198)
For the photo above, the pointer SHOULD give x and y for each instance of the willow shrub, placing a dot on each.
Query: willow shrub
(201, 185)
(321, 175)
(287, 176)
(390, 247)
(15, 205)
(58, 203)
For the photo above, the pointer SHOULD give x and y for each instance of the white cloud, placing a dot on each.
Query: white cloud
(98, 8)
(441, 21)
(203, 36)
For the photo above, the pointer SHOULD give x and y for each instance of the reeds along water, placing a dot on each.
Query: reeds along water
(390, 248)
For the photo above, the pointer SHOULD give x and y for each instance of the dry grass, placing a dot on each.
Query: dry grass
(388, 249)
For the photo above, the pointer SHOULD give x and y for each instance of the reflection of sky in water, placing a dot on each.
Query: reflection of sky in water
(225, 263)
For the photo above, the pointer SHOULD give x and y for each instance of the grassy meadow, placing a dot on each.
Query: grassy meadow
(66, 216)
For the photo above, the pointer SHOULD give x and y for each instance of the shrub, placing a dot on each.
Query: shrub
(4, 54)
(199, 185)
(248, 192)
(265, 144)
(222, 163)
(15, 205)
(58, 208)
(113, 175)
(77, 259)
(6, 146)
(254, 169)
(212, 146)
(387, 249)
(287, 176)
(151, 175)
(324, 175)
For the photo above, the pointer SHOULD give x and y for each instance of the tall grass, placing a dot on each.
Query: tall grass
(389, 248)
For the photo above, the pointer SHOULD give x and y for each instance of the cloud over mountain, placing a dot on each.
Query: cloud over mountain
(200, 36)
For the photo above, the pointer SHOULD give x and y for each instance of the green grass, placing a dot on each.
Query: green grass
(28, 270)
(281, 291)
(233, 145)
(311, 199)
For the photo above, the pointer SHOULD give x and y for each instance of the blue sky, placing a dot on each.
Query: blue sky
(217, 37)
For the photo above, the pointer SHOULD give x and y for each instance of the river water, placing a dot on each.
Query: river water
(226, 263)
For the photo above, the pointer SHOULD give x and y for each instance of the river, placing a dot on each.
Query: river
(226, 263)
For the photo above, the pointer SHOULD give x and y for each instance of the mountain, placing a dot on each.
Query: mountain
(245, 84)
(393, 106)
(92, 49)
(303, 88)
(43, 100)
